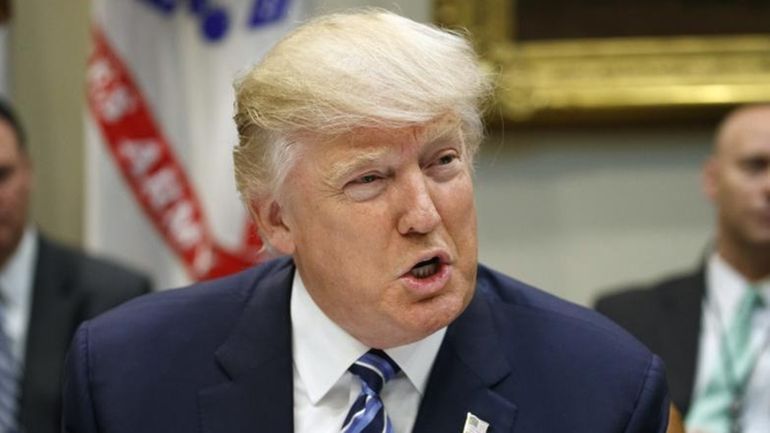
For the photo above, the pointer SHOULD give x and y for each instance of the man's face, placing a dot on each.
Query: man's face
(738, 180)
(382, 226)
(15, 184)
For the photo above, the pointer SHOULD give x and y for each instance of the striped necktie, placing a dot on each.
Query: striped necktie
(718, 407)
(367, 415)
(9, 375)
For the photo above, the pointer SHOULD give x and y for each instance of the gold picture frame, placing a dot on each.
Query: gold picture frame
(585, 77)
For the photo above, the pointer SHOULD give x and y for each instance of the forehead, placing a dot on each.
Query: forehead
(747, 132)
(370, 142)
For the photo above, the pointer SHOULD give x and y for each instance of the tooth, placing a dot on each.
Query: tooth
(425, 271)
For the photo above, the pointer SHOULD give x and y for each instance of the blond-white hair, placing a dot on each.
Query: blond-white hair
(361, 69)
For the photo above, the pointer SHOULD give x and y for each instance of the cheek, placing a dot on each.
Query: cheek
(737, 198)
(14, 192)
(459, 208)
(358, 227)
(344, 237)
(23, 194)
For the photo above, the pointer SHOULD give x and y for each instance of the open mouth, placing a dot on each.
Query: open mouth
(426, 269)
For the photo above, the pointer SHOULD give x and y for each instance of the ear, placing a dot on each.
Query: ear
(269, 216)
(710, 178)
(27, 170)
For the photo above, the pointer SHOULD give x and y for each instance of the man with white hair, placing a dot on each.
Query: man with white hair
(357, 136)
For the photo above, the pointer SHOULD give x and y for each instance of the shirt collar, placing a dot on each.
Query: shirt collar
(16, 277)
(726, 286)
(313, 333)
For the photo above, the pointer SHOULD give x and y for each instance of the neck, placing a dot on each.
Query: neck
(7, 251)
(751, 261)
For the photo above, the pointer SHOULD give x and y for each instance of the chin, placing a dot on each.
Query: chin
(445, 310)
(759, 237)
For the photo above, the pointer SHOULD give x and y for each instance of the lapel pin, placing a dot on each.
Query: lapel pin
(474, 424)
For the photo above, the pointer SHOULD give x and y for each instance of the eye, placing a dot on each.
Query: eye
(6, 171)
(447, 159)
(368, 178)
(365, 187)
(755, 165)
(445, 165)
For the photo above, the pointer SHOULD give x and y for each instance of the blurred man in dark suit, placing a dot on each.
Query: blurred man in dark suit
(712, 325)
(46, 290)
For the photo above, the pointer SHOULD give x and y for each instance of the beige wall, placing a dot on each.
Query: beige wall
(580, 212)
(574, 212)
(48, 48)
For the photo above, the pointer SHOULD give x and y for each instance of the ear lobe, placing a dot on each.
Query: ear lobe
(269, 216)
(710, 178)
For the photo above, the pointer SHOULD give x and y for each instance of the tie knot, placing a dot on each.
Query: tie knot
(374, 369)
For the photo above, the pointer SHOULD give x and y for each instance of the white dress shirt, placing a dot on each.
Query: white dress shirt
(324, 390)
(16, 280)
(725, 288)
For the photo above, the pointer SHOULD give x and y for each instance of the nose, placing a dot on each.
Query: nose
(419, 214)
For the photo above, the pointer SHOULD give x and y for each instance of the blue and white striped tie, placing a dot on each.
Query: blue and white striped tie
(9, 381)
(367, 415)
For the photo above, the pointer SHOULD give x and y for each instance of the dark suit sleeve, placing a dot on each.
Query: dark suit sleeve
(633, 309)
(652, 406)
(78, 411)
(69, 288)
(109, 285)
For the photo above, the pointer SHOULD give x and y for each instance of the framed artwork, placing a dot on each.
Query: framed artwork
(594, 58)
(5, 11)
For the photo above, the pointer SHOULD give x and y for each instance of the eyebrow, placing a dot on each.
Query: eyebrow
(343, 168)
(442, 135)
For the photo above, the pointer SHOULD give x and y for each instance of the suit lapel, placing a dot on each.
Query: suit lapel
(257, 393)
(53, 317)
(681, 321)
(464, 377)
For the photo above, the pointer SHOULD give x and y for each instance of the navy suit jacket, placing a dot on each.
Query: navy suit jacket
(216, 357)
